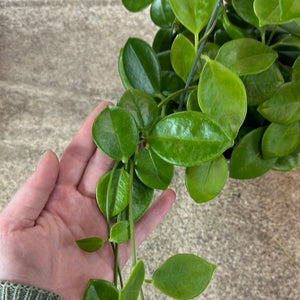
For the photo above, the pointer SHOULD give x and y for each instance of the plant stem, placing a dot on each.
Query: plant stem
(133, 253)
(116, 250)
(286, 253)
(196, 42)
(272, 34)
(208, 27)
(148, 281)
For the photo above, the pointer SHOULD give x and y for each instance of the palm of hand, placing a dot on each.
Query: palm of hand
(55, 207)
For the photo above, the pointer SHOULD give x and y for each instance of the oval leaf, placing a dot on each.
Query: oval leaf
(183, 276)
(193, 14)
(246, 56)
(182, 56)
(152, 170)
(222, 95)
(136, 5)
(286, 163)
(115, 133)
(296, 70)
(163, 40)
(245, 10)
(141, 66)
(120, 232)
(260, 87)
(118, 196)
(290, 9)
(161, 13)
(280, 140)
(188, 139)
(246, 161)
(134, 284)
(90, 244)
(98, 289)
(284, 106)
(141, 106)
(192, 102)
(268, 12)
(205, 182)
(122, 73)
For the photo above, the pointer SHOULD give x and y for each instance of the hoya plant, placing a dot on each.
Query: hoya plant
(218, 92)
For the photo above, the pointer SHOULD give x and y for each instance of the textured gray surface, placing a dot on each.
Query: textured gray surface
(58, 60)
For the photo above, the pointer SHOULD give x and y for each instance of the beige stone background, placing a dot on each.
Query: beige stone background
(58, 60)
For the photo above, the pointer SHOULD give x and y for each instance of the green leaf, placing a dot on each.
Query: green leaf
(193, 14)
(205, 182)
(136, 5)
(286, 163)
(171, 82)
(290, 9)
(284, 106)
(161, 13)
(192, 102)
(152, 170)
(183, 276)
(122, 73)
(98, 289)
(118, 196)
(115, 132)
(289, 40)
(246, 161)
(188, 139)
(135, 281)
(268, 12)
(142, 196)
(120, 232)
(296, 70)
(163, 40)
(90, 244)
(141, 66)
(211, 50)
(260, 87)
(222, 95)
(280, 140)
(245, 10)
(292, 27)
(141, 106)
(182, 56)
(246, 56)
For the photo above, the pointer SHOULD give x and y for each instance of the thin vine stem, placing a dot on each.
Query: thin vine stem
(210, 25)
(271, 35)
(286, 253)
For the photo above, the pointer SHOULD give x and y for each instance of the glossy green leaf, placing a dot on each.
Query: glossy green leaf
(90, 244)
(289, 40)
(136, 5)
(122, 73)
(284, 106)
(182, 56)
(183, 276)
(222, 95)
(163, 40)
(115, 132)
(152, 170)
(98, 289)
(211, 50)
(205, 182)
(286, 163)
(192, 102)
(280, 140)
(142, 196)
(141, 106)
(118, 196)
(141, 66)
(296, 70)
(245, 10)
(262, 86)
(164, 59)
(246, 161)
(292, 27)
(233, 31)
(290, 9)
(268, 12)
(193, 14)
(120, 232)
(246, 56)
(161, 13)
(134, 284)
(188, 139)
(171, 82)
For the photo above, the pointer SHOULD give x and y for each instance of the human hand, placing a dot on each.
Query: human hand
(55, 207)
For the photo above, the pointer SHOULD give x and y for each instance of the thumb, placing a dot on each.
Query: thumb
(31, 198)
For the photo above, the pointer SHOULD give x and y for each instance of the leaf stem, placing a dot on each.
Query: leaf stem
(208, 27)
(116, 250)
(148, 281)
(286, 253)
(272, 34)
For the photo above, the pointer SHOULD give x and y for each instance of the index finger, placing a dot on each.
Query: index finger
(77, 155)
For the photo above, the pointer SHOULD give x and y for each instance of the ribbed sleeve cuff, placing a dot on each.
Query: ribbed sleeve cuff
(15, 291)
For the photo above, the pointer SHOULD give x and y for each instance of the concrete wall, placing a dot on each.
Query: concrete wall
(58, 60)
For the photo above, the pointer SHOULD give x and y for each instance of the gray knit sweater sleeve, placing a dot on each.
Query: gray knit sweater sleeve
(15, 291)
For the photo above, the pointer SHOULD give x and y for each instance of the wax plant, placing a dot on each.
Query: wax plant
(219, 87)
